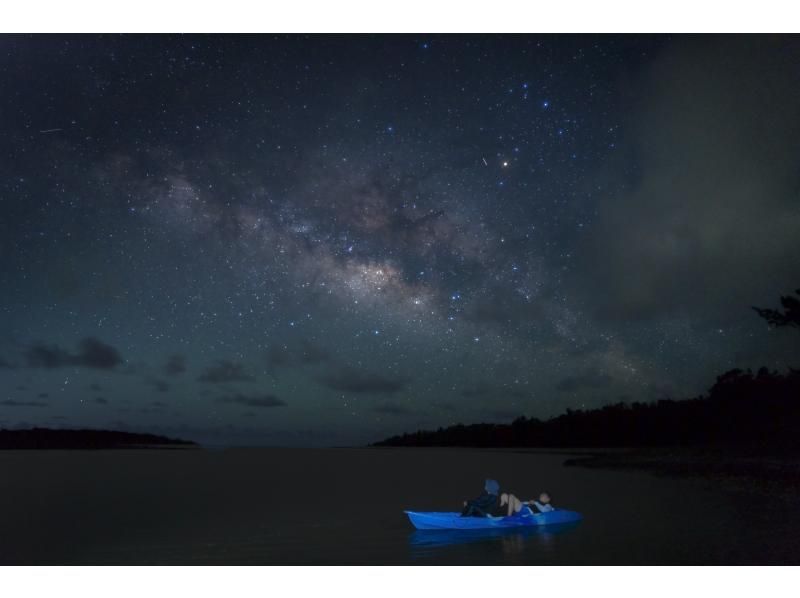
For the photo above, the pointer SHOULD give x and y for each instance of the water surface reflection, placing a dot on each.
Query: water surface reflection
(511, 541)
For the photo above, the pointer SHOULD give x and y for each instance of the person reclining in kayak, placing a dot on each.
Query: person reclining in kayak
(529, 507)
(486, 504)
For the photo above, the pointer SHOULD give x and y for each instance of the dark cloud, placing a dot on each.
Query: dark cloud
(101, 401)
(95, 387)
(13, 403)
(92, 353)
(487, 391)
(135, 368)
(42, 395)
(304, 353)
(176, 364)
(587, 380)
(278, 357)
(225, 371)
(393, 409)
(710, 214)
(159, 385)
(6, 365)
(96, 354)
(264, 401)
(357, 381)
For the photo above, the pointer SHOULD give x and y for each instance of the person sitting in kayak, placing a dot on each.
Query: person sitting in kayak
(543, 504)
(486, 504)
(515, 505)
(529, 507)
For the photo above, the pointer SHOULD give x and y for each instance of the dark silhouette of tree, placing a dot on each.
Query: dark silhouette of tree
(754, 411)
(741, 410)
(791, 315)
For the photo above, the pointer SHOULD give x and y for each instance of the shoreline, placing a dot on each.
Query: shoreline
(735, 470)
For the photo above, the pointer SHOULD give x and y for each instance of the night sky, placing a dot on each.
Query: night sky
(293, 240)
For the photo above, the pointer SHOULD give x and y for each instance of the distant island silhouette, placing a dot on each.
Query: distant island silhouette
(752, 412)
(757, 411)
(46, 438)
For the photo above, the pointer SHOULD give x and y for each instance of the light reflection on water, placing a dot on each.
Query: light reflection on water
(426, 543)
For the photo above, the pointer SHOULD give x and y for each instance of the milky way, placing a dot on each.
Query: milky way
(327, 240)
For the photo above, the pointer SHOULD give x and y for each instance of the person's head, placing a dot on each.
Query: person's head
(544, 498)
(491, 486)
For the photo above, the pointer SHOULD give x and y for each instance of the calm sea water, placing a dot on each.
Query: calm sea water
(345, 506)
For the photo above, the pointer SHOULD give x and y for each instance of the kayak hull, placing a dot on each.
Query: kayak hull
(444, 520)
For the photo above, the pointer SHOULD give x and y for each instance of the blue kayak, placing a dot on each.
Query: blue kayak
(440, 520)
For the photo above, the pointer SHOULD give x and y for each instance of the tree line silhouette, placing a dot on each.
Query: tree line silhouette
(741, 409)
(46, 438)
